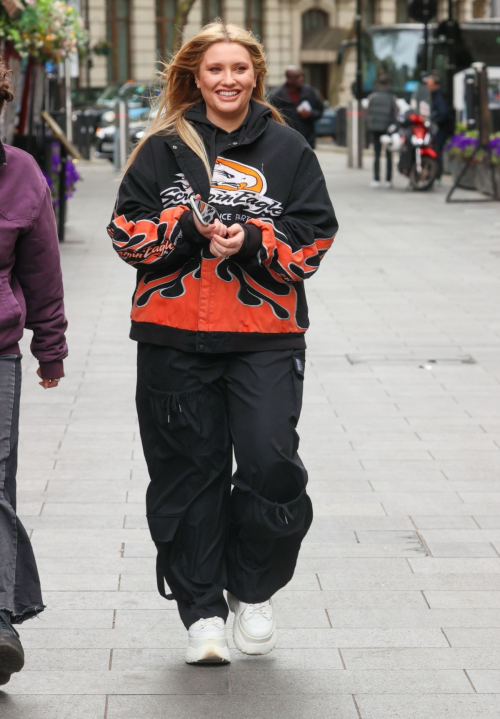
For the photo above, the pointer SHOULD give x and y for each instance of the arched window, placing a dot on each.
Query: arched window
(254, 17)
(165, 27)
(211, 9)
(313, 20)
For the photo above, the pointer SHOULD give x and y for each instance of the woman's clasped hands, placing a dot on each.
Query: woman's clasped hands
(224, 241)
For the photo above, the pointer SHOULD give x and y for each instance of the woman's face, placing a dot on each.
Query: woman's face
(226, 79)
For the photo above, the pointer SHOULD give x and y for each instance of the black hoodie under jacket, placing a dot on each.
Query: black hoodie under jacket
(266, 178)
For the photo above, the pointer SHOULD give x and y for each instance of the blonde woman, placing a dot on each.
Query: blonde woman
(219, 314)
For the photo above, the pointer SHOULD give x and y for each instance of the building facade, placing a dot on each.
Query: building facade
(137, 33)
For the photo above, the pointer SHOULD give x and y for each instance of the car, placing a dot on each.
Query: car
(101, 114)
(106, 135)
(326, 125)
(85, 96)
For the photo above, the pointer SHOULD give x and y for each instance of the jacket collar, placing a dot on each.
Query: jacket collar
(191, 165)
(3, 159)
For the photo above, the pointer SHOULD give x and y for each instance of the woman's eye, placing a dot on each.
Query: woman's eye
(214, 69)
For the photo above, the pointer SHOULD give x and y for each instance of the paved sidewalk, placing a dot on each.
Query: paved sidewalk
(394, 609)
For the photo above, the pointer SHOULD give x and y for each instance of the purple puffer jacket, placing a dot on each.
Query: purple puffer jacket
(31, 289)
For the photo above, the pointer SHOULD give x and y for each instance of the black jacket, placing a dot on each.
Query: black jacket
(305, 125)
(439, 109)
(382, 110)
(265, 177)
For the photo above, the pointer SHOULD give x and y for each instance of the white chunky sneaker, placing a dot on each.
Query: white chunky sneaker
(208, 642)
(254, 629)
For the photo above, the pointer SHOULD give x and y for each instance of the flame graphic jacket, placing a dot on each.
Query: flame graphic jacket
(265, 176)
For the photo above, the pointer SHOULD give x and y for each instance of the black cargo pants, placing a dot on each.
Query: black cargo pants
(194, 409)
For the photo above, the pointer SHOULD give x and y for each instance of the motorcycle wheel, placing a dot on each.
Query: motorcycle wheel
(425, 179)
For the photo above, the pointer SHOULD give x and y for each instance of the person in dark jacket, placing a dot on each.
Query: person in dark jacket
(382, 112)
(440, 116)
(31, 295)
(219, 314)
(299, 104)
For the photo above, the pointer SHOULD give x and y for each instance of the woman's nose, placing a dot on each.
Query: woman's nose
(228, 78)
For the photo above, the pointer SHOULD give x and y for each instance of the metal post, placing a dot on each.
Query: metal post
(67, 97)
(357, 124)
(121, 135)
(426, 47)
(451, 66)
(62, 192)
(87, 27)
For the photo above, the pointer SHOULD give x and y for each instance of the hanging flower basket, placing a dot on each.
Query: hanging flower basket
(102, 48)
(45, 30)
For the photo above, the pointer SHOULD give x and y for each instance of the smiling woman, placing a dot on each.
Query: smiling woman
(224, 213)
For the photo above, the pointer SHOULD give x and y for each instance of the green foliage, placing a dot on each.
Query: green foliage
(45, 30)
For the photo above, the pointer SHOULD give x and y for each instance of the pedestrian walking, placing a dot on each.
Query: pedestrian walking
(299, 103)
(382, 112)
(31, 295)
(441, 117)
(219, 314)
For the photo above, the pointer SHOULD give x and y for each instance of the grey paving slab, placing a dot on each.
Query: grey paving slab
(463, 599)
(428, 659)
(188, 680)
(437, 706)
(51, 707)
(68, 660)
(418, 682)
(473, 637)
(485, 681)
(455, 565)
(281, 707)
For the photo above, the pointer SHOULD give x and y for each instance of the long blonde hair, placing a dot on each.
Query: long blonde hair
(180, 92)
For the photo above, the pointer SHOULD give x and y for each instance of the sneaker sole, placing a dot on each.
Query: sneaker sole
(213, 653)
(11, 659)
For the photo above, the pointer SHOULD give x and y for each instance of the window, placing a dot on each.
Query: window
(254, 17)
(211, 10)
(313, 20)
(370, 13)
(402, 11)
(165, 27)
(118, 32)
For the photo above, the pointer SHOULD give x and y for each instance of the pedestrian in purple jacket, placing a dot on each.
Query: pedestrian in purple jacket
(31, 295)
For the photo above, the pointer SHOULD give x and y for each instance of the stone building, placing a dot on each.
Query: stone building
(305, 32)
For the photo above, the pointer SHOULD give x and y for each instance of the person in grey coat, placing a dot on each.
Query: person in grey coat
(382, 112)
(31, 296)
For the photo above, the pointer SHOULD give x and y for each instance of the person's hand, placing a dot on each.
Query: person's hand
(47, 383)
(216, 228)
(230, 245)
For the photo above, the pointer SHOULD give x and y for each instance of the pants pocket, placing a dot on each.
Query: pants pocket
(189, 422)
(263, 520)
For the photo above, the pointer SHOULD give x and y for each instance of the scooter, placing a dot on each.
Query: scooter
(418, 160)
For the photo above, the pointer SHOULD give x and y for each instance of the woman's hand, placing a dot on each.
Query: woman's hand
(216, 228)
(47, 383)
(221, 246)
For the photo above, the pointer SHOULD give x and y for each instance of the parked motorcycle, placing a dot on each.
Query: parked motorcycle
(418, 160)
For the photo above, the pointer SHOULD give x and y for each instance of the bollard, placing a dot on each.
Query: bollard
(355, 135)
(122, 141)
